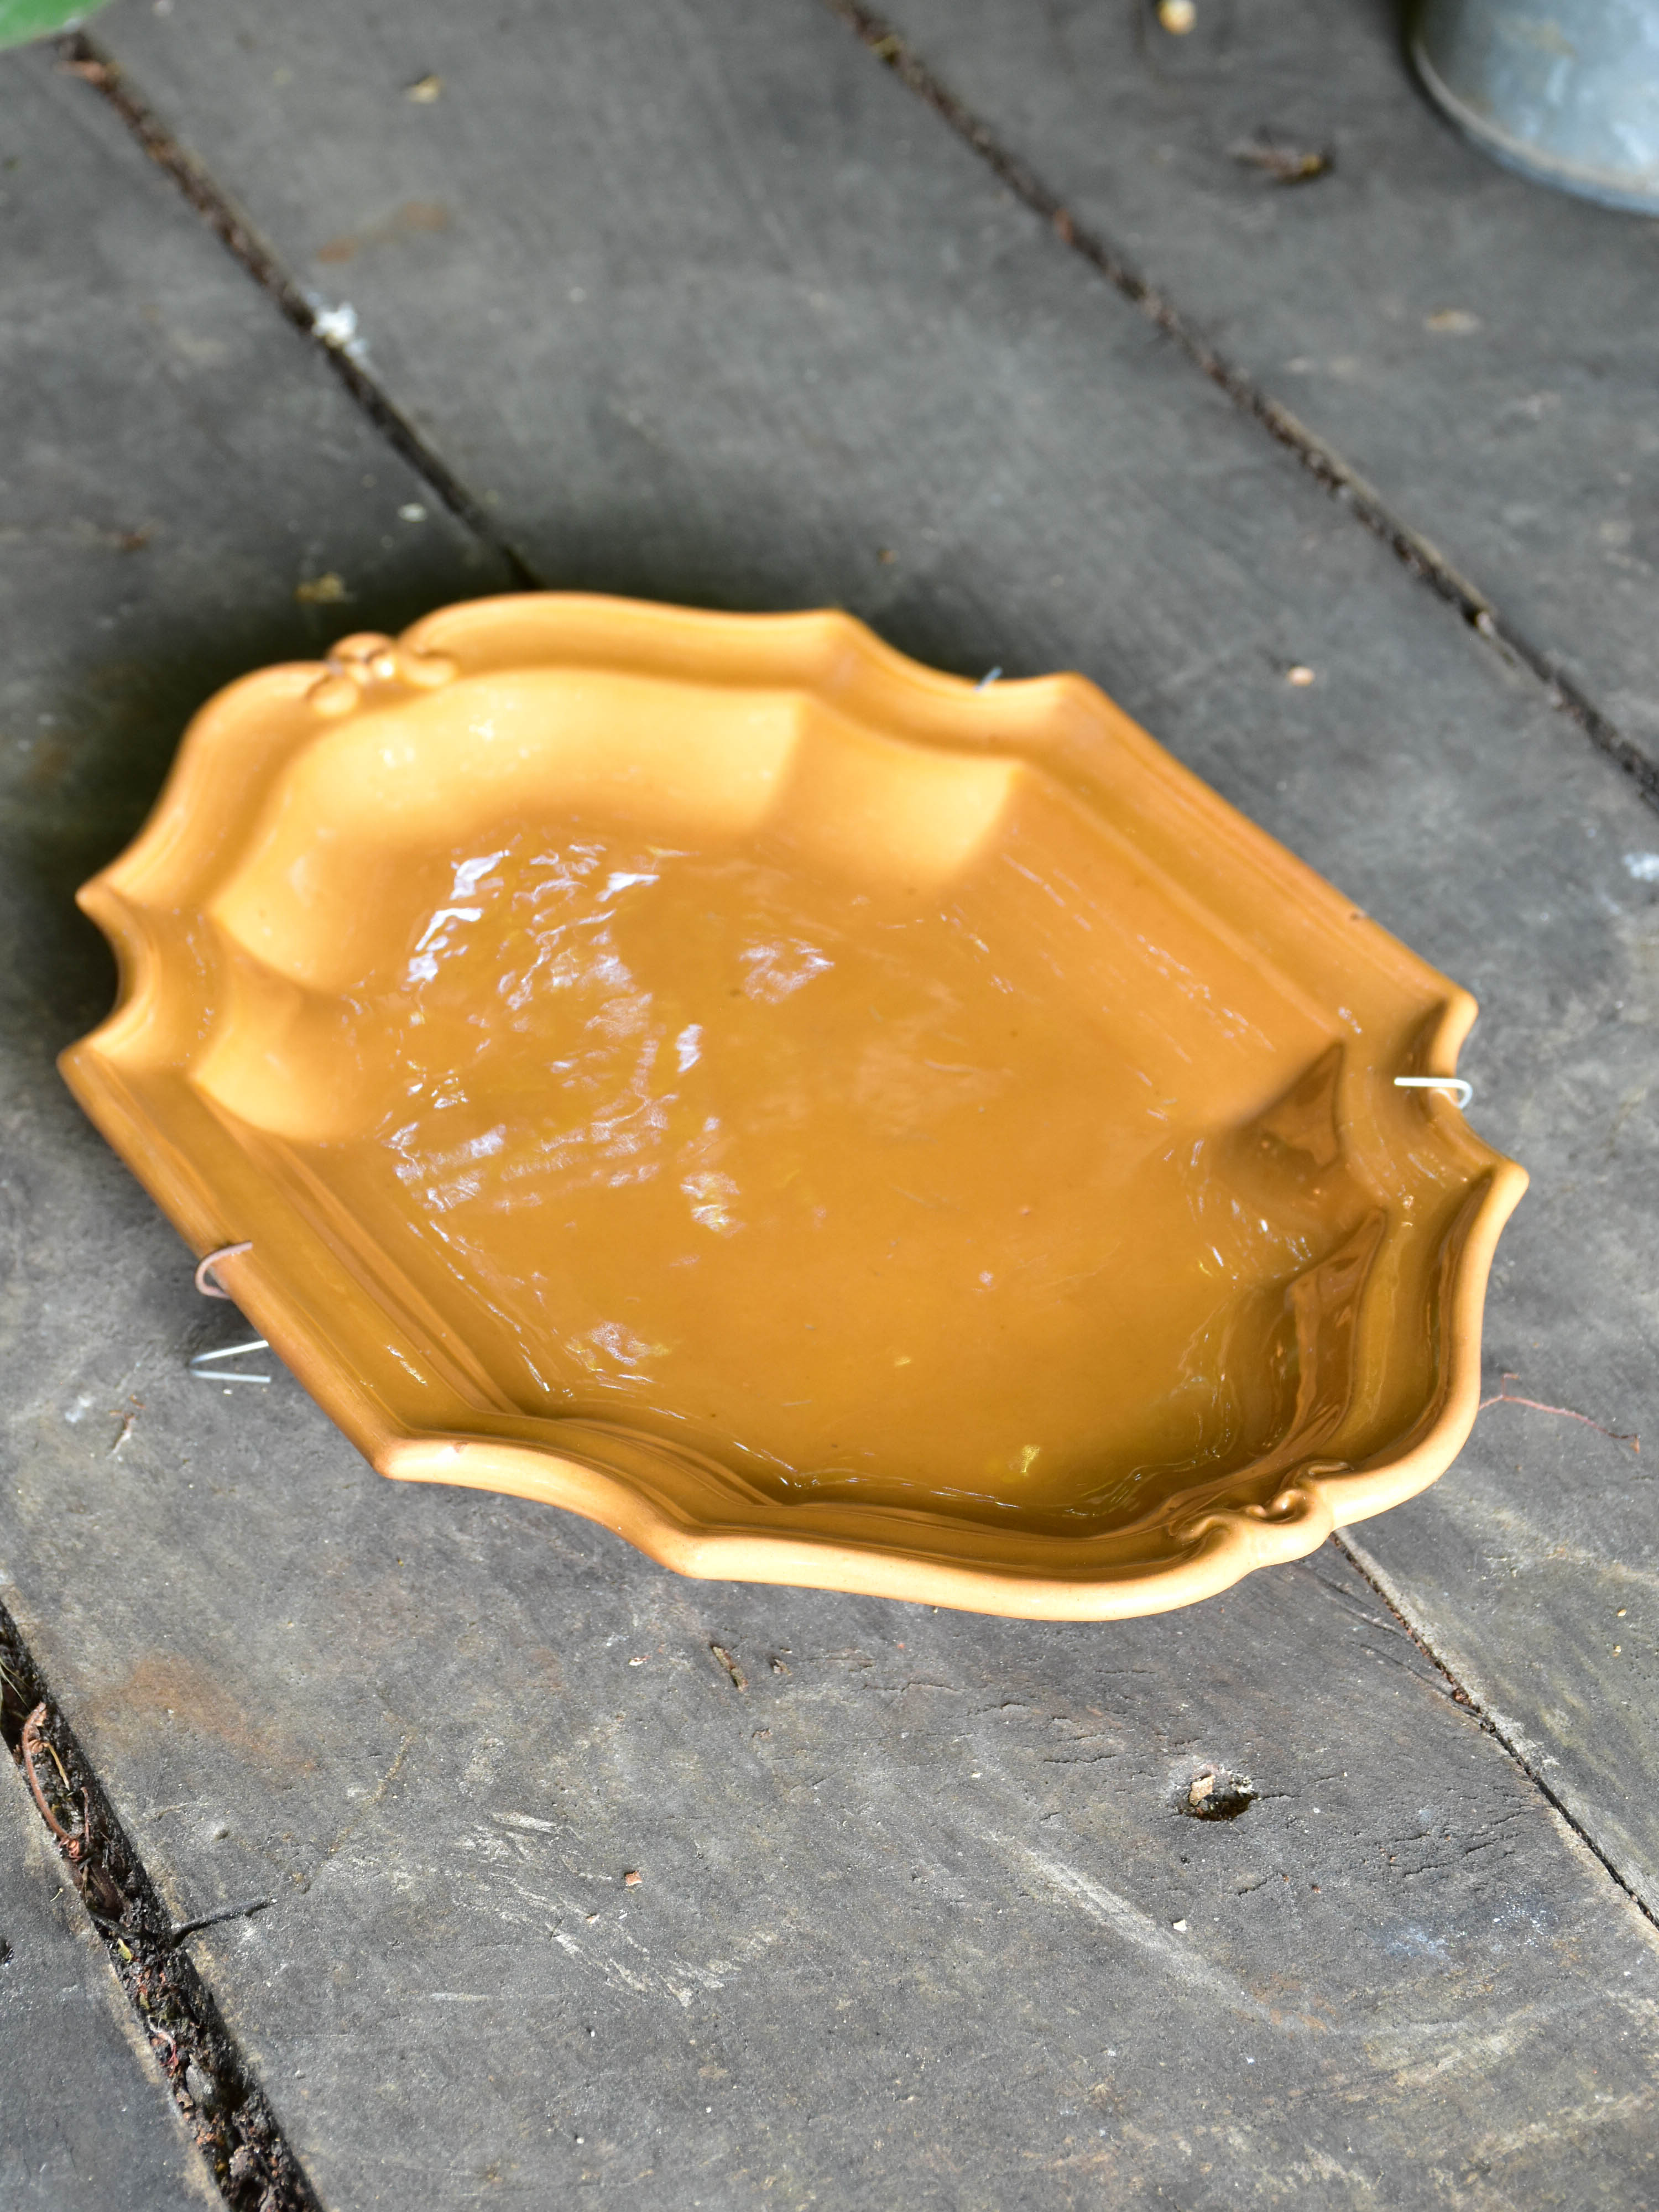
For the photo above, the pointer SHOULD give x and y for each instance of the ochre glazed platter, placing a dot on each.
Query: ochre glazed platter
(829, 1123)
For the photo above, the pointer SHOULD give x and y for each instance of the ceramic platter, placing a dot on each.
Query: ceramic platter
(830, 1124)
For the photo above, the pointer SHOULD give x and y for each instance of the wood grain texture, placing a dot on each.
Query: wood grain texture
(754, 319)
(919, 1916)
(85, 2117)
(906, 1928)
(1476, 349)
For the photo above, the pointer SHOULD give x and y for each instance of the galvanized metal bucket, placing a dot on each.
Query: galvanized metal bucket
(1565, 91)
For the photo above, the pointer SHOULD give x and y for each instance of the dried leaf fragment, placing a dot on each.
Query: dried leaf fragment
(1282, 163)
(324, 591)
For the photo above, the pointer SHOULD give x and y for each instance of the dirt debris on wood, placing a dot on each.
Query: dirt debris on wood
(223, 2107)
(1282, 163)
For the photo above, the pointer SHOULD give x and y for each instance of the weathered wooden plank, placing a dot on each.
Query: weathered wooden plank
(1477, 348)
(919, 1916)
(85, 2117)
(753, 318)
(906, 1930)
(176, 464)
(186, 491)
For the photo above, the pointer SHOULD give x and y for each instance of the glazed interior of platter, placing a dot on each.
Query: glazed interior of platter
(830, 1124)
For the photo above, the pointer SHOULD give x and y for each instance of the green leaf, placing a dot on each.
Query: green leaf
(38, 19)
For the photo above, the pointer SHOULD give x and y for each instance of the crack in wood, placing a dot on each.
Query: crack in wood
(225, 2111)
(79, 58)
(1416, 552)
(1482, 1714)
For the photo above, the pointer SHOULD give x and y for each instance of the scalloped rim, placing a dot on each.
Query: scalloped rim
(1214, 1548)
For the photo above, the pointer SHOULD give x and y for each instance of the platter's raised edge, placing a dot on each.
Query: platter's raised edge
(1222, 1545)
(1275, 900)
(1424, 1457)
(1357, 1495)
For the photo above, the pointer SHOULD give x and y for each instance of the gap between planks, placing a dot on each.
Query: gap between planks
(224, 2108)
(80, 58)
(1373, 1576)
(1417, 553)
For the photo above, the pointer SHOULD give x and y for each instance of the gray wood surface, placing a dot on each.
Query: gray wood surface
(176, 463)
(178, 466)
(1477, 348)
(907, 1929)
(910, 1926)
(85, 2118)
(753, 317)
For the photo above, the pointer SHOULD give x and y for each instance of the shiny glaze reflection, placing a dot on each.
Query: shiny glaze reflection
(826, 1124)
(852, 1185)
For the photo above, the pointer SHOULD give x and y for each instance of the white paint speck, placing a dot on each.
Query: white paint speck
(337, 327)
(1643, 866)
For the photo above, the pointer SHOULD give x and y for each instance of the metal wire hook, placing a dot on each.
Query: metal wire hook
(206, 1282)
(201, 1365)
(1461, 1092)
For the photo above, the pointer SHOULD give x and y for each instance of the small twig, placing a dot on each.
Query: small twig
(32, 1742)
(102, 1897)
(249, 1904)
(1537, 1405)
